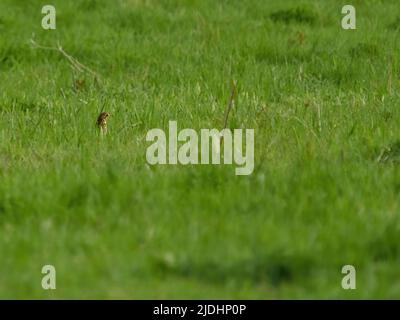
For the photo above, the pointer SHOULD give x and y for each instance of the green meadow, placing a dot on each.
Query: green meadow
(325, 190)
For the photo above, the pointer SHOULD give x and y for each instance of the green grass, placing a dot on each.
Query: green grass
(325, 192)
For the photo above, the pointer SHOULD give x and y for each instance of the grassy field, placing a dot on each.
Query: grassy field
(325, 192)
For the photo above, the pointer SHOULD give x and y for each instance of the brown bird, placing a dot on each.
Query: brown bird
(102, 122)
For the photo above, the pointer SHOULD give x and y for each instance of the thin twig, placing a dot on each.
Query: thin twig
(228, 109)
(75, 64)
(230, 104)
